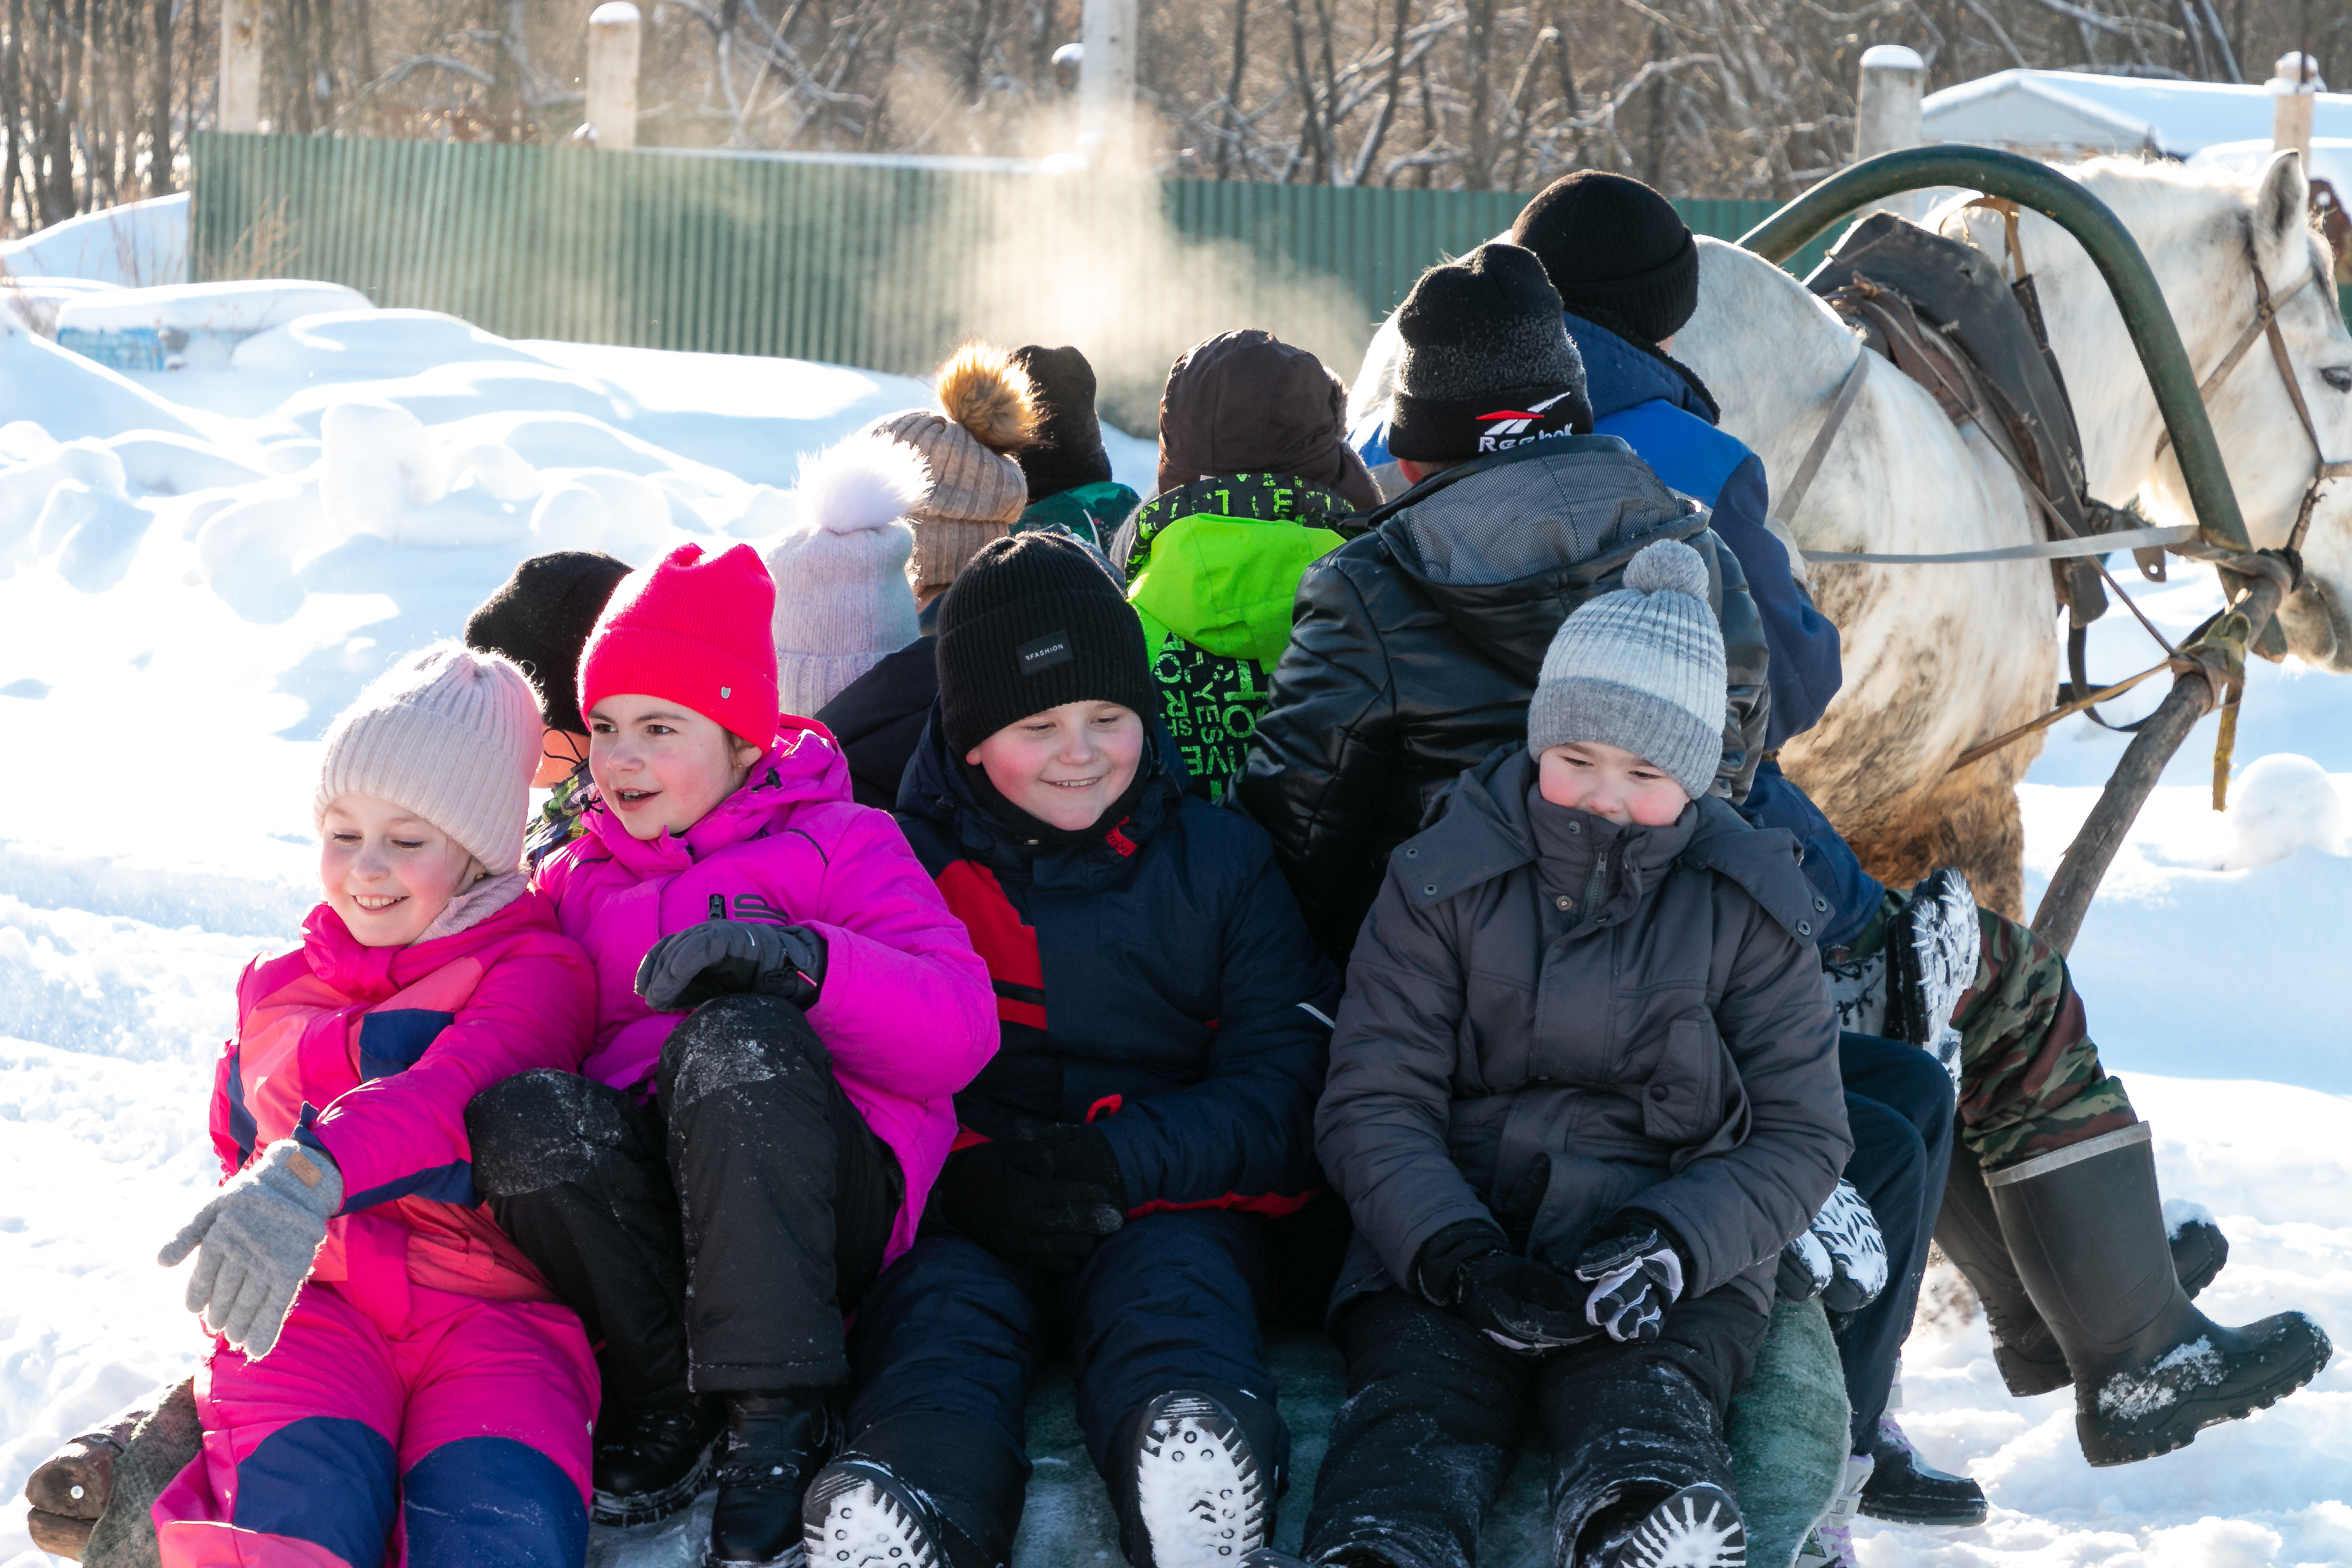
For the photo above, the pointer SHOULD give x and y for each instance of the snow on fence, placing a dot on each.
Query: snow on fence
(880, 267)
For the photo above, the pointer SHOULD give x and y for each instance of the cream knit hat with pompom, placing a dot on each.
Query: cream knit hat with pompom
(842, 597)
(452, 735)
(988, 411)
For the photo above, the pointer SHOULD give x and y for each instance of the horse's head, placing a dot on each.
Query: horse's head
(2206, 240)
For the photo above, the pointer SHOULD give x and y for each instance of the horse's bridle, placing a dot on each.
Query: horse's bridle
(2265, 324)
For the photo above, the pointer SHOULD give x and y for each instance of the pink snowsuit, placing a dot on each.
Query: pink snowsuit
(427, 1398)
(908, 1012)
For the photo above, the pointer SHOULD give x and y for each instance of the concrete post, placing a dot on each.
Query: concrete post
(2294, 80)
(1106, 84)
(1886, 102)
(613, 40)
(240, 66)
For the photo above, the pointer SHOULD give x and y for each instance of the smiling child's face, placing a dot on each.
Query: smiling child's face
(388, 872)
(660, 765)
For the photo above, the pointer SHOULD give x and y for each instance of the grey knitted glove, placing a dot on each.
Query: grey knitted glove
(722, 957)
(258, 1237)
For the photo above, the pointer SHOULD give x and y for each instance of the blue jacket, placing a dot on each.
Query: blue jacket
(1661, 417)
(1157, 983)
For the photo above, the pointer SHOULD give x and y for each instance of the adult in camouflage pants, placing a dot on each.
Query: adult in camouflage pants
(2030, 1078)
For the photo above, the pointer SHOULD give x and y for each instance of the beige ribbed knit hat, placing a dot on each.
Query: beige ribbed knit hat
(842, 596)
(451, 734)
(978, 491)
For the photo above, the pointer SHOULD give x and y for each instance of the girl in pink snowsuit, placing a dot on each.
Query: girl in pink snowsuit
(426, 1399)
(785, 1009)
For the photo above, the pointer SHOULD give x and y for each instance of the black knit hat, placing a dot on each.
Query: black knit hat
(1033, 622)
(541, 618)
(1617, 251)
(1488, 363)
(1069, 448)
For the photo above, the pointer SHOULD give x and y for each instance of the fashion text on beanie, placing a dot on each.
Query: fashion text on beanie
(1035, 621)
(450, 734)
(692, 630)
(1641, 668)
(1487, 365)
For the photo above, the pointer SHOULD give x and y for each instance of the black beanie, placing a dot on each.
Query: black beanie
(1616, 250)
(541, 618)
(1032, 621)
(1069, 447)
(1488, 363)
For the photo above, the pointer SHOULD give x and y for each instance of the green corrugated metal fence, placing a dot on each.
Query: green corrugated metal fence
(884, 267)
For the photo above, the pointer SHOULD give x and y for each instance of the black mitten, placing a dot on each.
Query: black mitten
(1628, 1280)
(1520, 1303)
(1040, 1199)
(723, 958)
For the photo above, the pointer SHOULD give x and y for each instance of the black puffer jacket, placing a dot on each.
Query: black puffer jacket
(1550, 1017)
(1414, 650)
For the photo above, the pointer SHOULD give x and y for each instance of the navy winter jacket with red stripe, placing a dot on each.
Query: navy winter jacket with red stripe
(1157, 981)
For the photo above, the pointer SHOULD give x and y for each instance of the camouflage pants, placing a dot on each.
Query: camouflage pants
(2031, 1079)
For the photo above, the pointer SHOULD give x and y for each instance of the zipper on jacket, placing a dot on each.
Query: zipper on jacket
(1596, 886)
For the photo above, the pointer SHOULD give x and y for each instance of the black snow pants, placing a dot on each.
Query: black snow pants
(1899, 1101)
(949, 1339)
(713, 1238)
(1437, 1412)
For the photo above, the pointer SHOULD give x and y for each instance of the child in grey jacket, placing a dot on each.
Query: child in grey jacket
(1583, 1088)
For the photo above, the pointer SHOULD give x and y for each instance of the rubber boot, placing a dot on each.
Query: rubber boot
(774, 1445)
(2086, 1230)
(1970, 1234)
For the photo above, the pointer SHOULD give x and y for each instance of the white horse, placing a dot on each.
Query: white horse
(1940, 658)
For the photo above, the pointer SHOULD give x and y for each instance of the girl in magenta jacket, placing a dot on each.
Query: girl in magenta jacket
(785, 1009)
(426, 1394)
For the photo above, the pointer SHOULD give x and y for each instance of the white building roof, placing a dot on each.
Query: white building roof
(2077, 113)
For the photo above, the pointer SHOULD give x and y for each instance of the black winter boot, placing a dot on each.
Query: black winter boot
(774, 1445)
(652, 1458)
(1903, 1489)
(2150, 1371)
(1197, 1496)
(1969, 1234)
(1641, 1475)
(1697, 1527)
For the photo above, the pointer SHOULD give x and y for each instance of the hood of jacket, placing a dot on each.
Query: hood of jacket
(1483, 826)
(489, 912)
(806, 764)
(937, 790)
(1620, 372)
(1580, 508)
(1217, 562)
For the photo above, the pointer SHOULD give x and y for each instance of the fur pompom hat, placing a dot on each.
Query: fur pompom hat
(450, 734)
(842, 597)
(988, 411)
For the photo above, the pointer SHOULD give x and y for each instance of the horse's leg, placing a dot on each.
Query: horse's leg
(1972, 821)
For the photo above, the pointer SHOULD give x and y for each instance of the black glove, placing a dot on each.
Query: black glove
(1044, 1198)
(721, 958)
(1628, 1277)
(1519, 1304)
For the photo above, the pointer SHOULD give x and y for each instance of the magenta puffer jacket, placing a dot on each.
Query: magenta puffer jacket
(371, 1054)
(907, 1010)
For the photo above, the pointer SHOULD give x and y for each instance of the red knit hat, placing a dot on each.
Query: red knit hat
(693, 631)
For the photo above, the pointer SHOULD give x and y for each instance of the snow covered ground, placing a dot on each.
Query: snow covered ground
(197, 568)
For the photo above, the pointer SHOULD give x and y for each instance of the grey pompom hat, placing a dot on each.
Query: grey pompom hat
(1641, 668)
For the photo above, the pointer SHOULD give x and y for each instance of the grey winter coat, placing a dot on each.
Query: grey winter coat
(1550, 1018)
